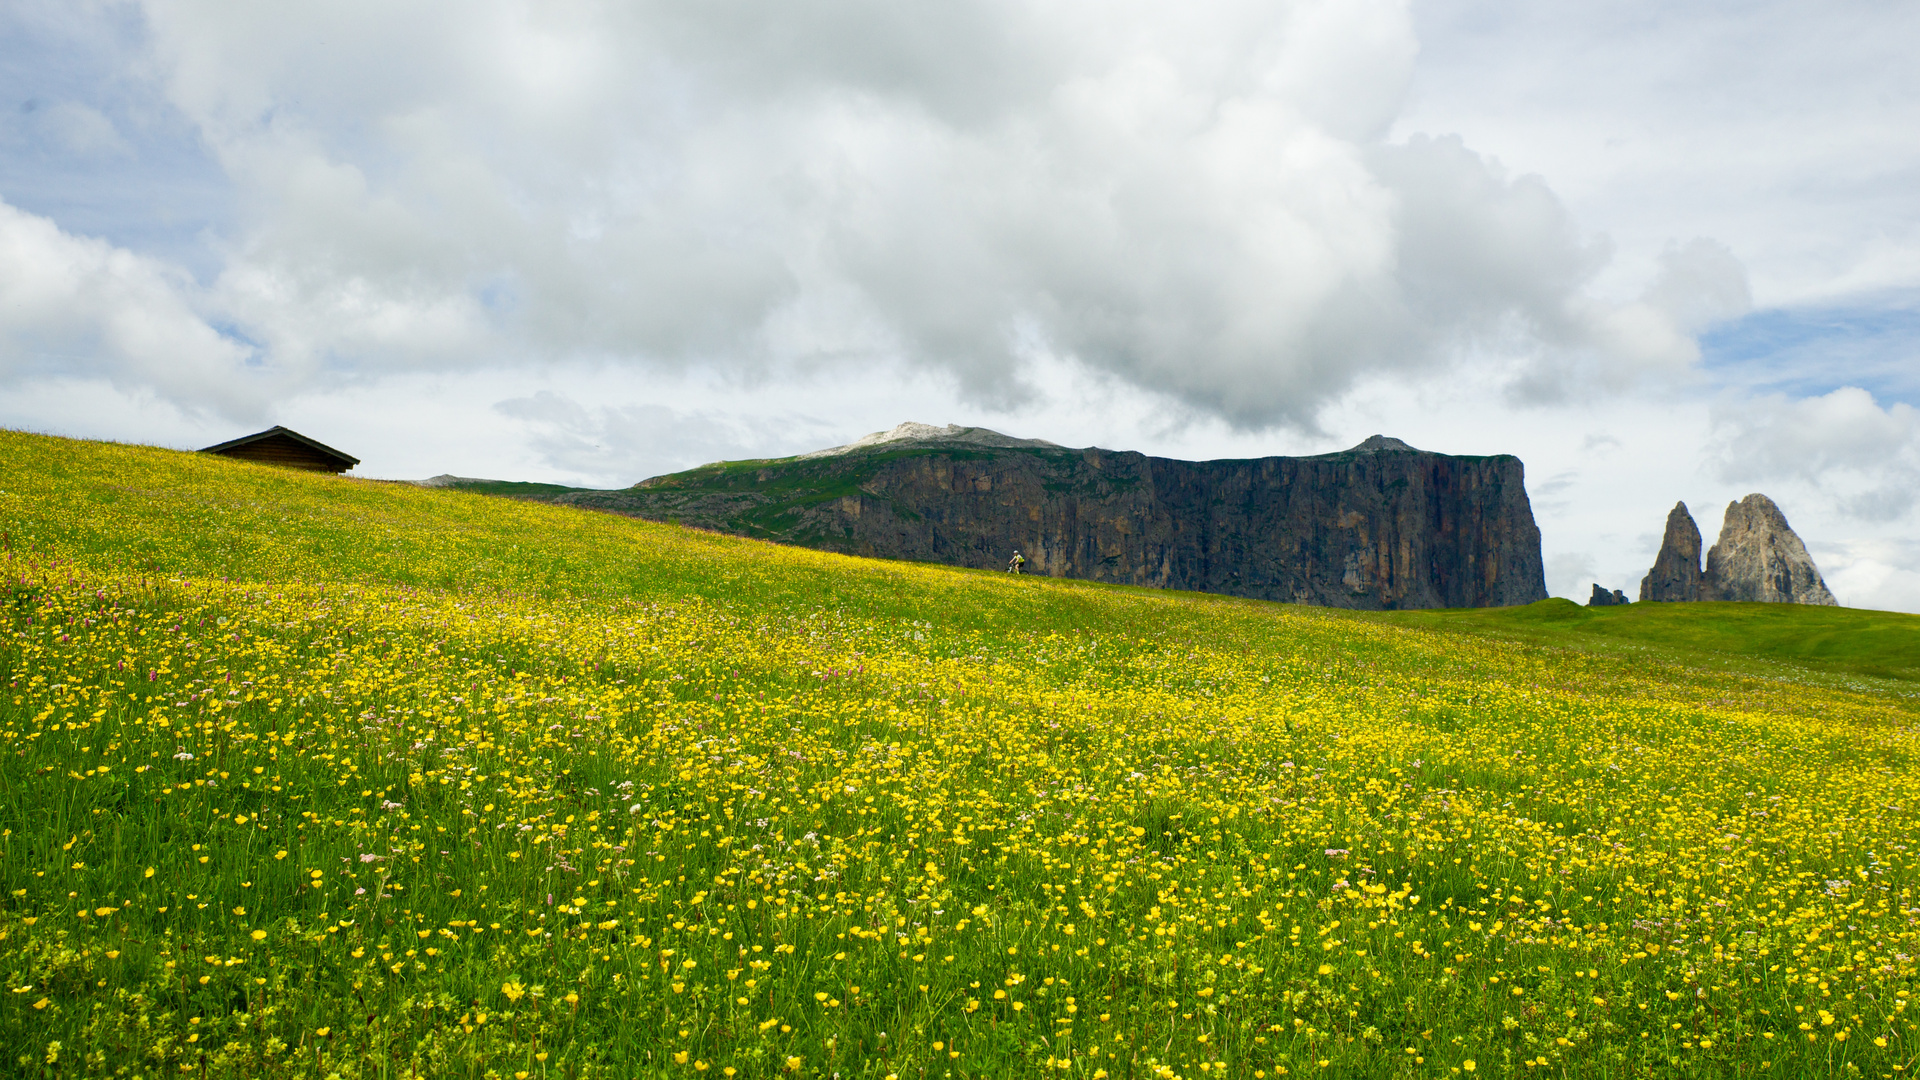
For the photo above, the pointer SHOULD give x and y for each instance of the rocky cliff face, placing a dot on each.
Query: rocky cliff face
(1676, 570)
(1603, 598)
(1381, 526)
(1758, 557)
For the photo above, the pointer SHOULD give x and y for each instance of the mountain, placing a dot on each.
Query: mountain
(1380, 526)
(1757, 558)
(1676, 569)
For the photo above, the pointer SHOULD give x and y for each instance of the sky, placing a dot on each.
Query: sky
(1660, 251)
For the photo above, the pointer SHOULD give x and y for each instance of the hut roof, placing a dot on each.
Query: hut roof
(277, 434)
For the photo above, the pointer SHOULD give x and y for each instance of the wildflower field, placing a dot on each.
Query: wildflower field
(309, 776)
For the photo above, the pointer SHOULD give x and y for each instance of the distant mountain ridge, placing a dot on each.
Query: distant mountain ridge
(1379, 526)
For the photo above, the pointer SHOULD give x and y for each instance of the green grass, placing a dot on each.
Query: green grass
(1854, 641)
(309, 776)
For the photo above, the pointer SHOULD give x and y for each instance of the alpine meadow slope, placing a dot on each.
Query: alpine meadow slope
(312, 776)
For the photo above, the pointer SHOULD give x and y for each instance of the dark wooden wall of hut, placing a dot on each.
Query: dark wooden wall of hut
(289, 453)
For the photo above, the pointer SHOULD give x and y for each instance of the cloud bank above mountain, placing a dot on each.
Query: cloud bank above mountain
(1200, 201)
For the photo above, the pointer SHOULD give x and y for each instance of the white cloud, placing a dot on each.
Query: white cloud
(1778, 127)
(1198, 201)
(1700, 284)
(1882, 574)
(77, 129)
(1862, 456)
(82, 307)
(1571, 574)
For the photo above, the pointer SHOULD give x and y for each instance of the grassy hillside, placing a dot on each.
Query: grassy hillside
(309, 776)
(1881, 644)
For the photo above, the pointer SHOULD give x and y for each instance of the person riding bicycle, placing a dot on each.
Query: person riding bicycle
(1017, 564)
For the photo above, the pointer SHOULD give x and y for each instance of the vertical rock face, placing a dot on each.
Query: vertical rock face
(1759, 558)
(1380, 526)
(1603, 598)
(1675, 576)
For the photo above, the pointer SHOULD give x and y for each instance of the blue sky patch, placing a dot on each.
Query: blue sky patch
(98, 149)
(1806, 352)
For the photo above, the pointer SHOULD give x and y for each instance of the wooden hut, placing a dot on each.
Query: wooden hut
(281, 446)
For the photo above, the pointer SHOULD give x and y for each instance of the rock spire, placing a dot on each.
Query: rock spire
(1759, 558)
(1676, 570)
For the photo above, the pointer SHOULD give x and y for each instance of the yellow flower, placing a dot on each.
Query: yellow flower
(42, 1003)
(1468, 1065)
(259, 935)
(513, 990)
(680, 1058)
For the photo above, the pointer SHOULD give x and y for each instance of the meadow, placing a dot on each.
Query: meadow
(310, 776)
